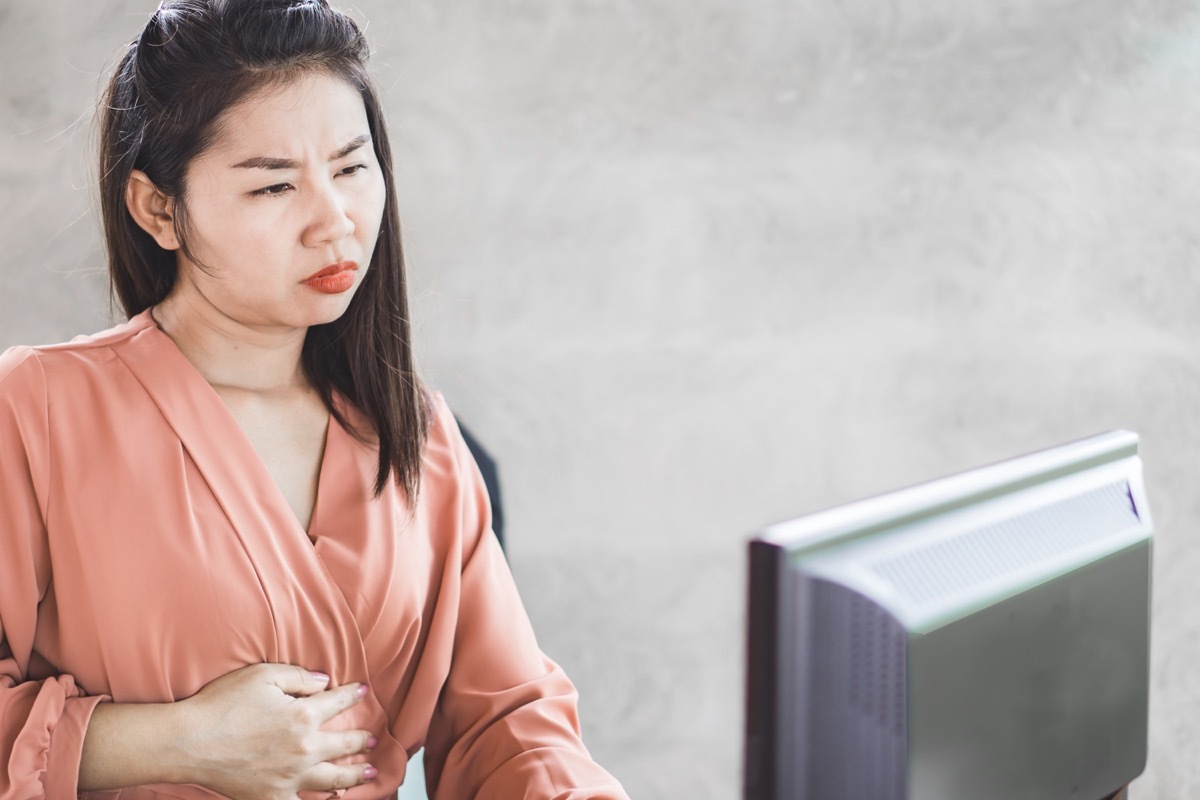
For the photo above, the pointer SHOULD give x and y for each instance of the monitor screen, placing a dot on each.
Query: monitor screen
(984, 636)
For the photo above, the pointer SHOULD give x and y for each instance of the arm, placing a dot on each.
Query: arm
(254, 733)
(506, 725)
(42, 723)
(41, 731)
(131, 744)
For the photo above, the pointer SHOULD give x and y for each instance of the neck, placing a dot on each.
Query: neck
(231, 354)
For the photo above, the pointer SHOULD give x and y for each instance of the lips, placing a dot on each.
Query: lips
(334, 279)
(332, 269)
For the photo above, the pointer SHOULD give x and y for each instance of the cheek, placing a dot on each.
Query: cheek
(225, 238)
(216, 225)
(373, 208)
(380, 197)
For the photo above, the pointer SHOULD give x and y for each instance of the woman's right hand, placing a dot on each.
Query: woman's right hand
(254, 734)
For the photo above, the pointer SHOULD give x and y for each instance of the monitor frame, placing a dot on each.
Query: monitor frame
(777, 545)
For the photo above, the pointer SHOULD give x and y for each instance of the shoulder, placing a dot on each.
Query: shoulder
(24, 413)
(442, 424)
(448, 468)
(22, 382)
(18, 366)
(24, 367)
(445, 445)
(453, 493)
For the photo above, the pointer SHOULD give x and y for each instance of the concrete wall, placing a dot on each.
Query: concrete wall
(693, 267)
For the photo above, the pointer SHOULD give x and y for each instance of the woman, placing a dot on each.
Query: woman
(246, 553)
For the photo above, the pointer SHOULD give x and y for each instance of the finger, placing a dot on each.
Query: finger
(294, 680)
(329, 704)
(337, 744)
(325, 777)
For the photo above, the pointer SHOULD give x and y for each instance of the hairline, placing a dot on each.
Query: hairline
(277, 78)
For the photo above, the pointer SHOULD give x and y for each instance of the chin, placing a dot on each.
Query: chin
(328, 309)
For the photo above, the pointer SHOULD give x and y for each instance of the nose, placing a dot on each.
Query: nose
(329, 220)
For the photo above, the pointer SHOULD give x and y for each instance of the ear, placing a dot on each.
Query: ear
(152, 210)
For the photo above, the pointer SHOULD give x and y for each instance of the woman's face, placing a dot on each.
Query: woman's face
(285, 207)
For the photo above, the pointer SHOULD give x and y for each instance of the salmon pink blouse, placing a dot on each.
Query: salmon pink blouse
(146, 550)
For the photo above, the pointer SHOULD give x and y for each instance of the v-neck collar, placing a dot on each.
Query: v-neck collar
(293, 571)
(205, 412)
(312, 603)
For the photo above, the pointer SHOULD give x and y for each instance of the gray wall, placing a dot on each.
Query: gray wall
(692, 267)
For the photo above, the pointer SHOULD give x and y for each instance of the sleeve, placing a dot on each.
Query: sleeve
(506, 725)
(42, 723)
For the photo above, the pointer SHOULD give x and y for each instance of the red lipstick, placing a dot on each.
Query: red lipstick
(334, 279)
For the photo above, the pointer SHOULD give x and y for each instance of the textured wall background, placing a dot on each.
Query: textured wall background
(690, 268)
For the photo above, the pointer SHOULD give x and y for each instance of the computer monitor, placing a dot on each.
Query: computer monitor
(980, 637)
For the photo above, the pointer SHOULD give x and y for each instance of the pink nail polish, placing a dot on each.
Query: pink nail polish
(372, 743)
(370, 773)
(320, 677)
(362, 690)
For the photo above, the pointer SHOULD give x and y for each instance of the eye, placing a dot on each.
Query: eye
(271, 191)
(352, 169)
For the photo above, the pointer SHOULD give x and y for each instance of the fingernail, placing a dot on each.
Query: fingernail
(362, 690)
(372, 743)
(319, 677)
(370, 773)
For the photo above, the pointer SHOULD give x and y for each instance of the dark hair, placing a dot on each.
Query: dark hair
(162, 108)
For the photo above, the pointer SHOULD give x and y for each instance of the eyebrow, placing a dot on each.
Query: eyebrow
(267, 162)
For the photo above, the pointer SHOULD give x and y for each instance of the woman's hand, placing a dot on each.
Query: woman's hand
(254, 734)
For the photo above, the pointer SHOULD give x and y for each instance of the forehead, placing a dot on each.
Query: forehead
(315, 112)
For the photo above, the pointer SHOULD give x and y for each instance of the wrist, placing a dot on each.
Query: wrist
(131, 744)
(178, 747)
